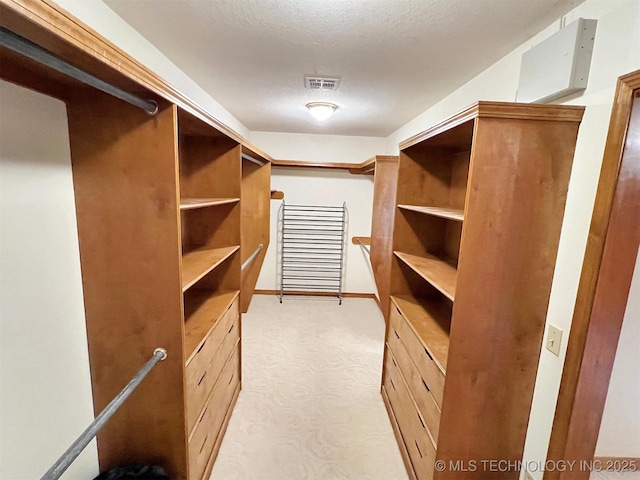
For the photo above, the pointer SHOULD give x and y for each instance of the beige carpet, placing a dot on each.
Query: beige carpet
(310, 407)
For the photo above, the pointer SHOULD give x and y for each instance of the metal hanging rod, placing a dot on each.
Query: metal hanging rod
(35, 52)
(249, 158)
(366, 249)
(83, 440)
(253, 255)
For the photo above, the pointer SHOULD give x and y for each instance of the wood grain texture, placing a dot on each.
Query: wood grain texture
(198, 263)
(515, 202)
(277, 195)
(417, 439)
(430, 322)
(363, 240)
(385, 184)
(610, 255)
(47, 24)
(448, 213)
(191, 203)
(419, 389)
(255, 224)
(127, 204)
(523, 111)
(202, 311)
(439, 273)
(398, 434)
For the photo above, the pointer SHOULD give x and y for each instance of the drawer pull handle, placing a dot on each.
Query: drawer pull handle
(425, 385)
(202, 346)
(428, 354)
(202, 378)
(231, 328)
(397, 336)
(203, 414)
(231, 379)
(394, 387)
(398, 310)
(204, 443)
(419, 452)
(394, 362)
(421, 422)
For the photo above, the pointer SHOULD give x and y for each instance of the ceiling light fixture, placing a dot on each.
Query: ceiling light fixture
(321, 110)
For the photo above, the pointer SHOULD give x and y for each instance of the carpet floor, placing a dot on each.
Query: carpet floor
(310, 405)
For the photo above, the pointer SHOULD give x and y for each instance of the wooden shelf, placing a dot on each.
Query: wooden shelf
(191, 203)
(197, 263)
(442, 212)
(202, 310)
(434, 270)
(430, 321)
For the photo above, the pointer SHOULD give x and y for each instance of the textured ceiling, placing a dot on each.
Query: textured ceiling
(395, 58)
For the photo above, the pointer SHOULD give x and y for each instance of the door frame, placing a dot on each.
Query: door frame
(610, 257)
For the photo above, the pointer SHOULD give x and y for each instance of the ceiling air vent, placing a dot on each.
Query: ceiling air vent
(318, 83)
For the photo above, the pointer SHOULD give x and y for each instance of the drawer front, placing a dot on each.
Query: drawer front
(420, 447)
(202, 372)
(428, 369)
(210, 421)
(418, 387)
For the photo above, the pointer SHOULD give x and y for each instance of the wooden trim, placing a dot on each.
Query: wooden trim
(306, 164)
(277, 195)
(365, 240)
(365, 168)
(318, 294)
(46, 15)
(525, 111)
(602, 295)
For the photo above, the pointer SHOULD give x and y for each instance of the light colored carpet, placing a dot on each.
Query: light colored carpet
(310, 407)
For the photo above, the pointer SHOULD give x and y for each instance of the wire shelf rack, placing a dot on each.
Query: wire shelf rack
(312, 247)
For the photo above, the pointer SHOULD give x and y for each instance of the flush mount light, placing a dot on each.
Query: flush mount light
(321, 110)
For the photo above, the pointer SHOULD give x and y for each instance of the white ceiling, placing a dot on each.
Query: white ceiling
(395, 58)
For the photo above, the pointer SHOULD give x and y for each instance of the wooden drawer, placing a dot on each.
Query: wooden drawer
(429, 371)
(417, 386)
(421, 449)
(203, 370)
(210, 420)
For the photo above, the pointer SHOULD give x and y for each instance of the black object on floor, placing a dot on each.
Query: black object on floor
(134, 472)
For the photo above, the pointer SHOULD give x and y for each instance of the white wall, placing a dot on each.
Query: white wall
(620, 429)
(107, 23)
(45, 388)
(323, 187)
(616, 52)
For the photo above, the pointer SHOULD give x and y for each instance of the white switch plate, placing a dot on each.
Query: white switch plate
(528, 476)
(554, 340)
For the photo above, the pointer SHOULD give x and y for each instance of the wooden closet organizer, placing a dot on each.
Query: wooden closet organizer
(167, 211)
(480, 201)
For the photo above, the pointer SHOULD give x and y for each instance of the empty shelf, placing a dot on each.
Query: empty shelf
(442, 212)
(430, 320)
(439, 273)
(202, 310)
(191, 203)
(197, 263)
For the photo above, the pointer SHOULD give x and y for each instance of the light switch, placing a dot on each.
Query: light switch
(554, 339)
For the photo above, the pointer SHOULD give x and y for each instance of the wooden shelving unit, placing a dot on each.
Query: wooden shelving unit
(471, 272)
(159, 202)
(255, 221)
